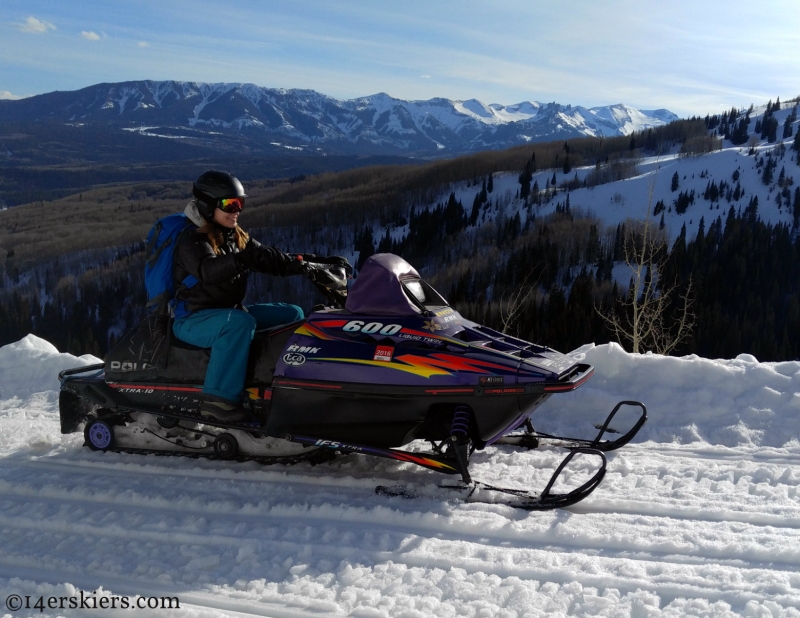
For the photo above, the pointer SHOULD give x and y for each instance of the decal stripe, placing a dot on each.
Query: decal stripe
(188, 389)
(427, 366)
(329, 323)
(311, 331)
(425, 371)
(306, 384)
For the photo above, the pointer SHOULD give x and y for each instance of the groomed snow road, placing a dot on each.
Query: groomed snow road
(682, 525)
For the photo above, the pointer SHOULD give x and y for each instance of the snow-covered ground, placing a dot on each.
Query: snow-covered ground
(700, 516)
(616, 202)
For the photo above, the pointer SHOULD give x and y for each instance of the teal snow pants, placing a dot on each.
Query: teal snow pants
(228, 332)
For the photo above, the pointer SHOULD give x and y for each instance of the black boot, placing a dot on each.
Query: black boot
(216, 410)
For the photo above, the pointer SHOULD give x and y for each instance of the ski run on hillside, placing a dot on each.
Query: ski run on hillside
(699, 516)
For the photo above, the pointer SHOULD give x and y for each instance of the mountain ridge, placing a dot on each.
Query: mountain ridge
(316, 122)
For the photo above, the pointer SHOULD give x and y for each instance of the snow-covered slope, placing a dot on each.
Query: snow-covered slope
(652, 182)
(700, 516)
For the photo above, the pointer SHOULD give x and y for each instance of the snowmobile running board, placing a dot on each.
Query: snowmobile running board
(533, 439)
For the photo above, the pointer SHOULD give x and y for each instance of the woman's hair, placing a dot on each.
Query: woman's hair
(216, 239)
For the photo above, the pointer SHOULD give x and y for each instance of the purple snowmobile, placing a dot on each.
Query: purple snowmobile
(388, 364)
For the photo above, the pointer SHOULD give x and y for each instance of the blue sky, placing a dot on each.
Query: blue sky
(689, 56)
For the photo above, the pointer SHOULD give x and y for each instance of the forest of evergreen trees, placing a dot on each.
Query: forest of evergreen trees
(543, 278)
(746, 283)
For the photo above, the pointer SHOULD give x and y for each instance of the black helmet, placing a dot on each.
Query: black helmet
(213, 186)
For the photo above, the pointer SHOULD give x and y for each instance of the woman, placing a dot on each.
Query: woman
(210, 314)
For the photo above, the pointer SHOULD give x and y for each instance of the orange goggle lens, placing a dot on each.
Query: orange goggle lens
(233, 204)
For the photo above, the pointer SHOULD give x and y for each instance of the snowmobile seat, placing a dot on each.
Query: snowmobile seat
(185, 362)
(150, 352)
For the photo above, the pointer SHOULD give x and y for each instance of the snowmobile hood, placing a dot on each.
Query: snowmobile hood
(379, 290)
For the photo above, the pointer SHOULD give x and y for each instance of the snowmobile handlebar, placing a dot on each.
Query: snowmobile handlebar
(77, 370)
(330, 279)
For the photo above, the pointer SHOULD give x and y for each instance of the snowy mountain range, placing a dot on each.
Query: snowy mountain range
(306, 119)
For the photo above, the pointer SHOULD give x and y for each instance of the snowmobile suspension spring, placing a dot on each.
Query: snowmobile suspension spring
(460, 426)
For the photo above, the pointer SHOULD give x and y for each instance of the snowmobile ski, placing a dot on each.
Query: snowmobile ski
(478, 491)
(533, 439)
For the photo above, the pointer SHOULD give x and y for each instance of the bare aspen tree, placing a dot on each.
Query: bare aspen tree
(640, 319)
(513, 304)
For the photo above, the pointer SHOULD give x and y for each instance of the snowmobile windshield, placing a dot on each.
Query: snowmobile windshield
(415, 289)
(388, 285)
(422, 294)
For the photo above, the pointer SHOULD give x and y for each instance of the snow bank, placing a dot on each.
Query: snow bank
(31, 365)
(689, 399)
(726, 402)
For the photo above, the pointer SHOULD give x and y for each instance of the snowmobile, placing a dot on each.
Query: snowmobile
(385, 365)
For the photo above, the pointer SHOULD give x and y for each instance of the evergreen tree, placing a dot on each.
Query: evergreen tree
(525, 180)
(740, 135)
(476, 209)
(490, 183)
(796, 207)
(454, 217)
(675, 182)
(787, 127)
(365, 245)
(766, 176)
(769, 129)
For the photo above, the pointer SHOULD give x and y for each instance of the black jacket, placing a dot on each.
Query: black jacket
(222, 279)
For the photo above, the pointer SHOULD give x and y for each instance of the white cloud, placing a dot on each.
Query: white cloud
(5, 95)
(35, 26)
(143, 44)
(90, 36)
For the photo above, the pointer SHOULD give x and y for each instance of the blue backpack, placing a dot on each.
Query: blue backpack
(159, 251)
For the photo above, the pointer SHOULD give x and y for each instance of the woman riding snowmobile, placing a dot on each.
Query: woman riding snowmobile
(219, 254)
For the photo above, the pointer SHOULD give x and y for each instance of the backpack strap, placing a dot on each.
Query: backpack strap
(163, 304)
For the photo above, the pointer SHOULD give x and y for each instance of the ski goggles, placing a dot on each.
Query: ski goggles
(231, 204)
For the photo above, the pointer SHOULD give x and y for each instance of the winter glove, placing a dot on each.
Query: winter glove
(263, 259)
(249, 258)
(294, 266)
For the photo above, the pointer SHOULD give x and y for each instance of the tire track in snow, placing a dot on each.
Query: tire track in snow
(709, 581)
(338, 519)
(240, 506)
